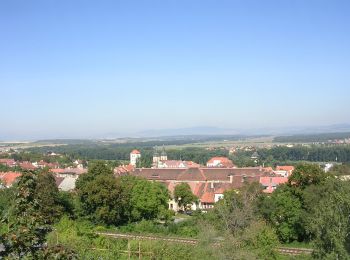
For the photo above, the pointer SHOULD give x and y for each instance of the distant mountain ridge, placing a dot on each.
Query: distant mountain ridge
(193, 131)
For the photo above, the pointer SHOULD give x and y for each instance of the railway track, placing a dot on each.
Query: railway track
(294, 251)
(281, 250)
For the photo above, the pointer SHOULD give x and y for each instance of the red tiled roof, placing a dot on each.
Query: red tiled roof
(192, 174)
(272, 181)
(135, 151)
(58, 180)
(285, 168)
(8, 178)
(223, 162)
(27, 166)
(123, 169)
(70, 170)
(8, 162)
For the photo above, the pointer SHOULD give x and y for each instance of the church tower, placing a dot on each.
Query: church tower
(156, 157)
(163, 155)
(135, 155)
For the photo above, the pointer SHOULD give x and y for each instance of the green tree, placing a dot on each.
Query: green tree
(183, 195)
(327, 218)
(26, 233)
(101, 196)
(149, 200)
(47, 195)
(307, 174)
(238, 208)
(283, 209)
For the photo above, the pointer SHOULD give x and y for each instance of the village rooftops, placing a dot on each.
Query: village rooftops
(9, 178)
(194, 174)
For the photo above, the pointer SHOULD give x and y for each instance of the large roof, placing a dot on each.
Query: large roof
(8, 178)
(198, 174)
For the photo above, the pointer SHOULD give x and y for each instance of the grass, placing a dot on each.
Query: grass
(296, 244)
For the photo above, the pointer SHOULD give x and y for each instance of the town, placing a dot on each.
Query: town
(208, 182)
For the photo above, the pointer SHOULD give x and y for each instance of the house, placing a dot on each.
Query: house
(176, 164)
(42, 164)
(8, 162)
(66, 178)
(270, 183)
(207, 183)
(120, 170)
(27, 166)
(287, 169)
(135, 155)
(9, 178)
(222, 162)
(68, 172)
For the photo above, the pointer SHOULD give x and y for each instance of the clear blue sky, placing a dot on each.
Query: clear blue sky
(88, 68)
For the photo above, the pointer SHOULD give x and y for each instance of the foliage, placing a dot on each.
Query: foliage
(113, 201)
(26, 226)
(100, 195)
(149, 200)
(283, 209)
(238, 208)
(183, 195)
(187, 228)
(307, 174)
(47, 195)
(314, 153)
(7, 197)
(327, 218)
(341, 169)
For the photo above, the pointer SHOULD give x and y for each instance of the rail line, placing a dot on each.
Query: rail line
(281, 250)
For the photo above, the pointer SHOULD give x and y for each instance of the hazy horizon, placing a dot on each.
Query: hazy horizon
(83, 69)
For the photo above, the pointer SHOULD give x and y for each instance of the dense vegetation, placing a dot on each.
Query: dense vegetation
(293, 155)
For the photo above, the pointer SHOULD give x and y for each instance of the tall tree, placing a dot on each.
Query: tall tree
(327, 219)
(26, 226)
(47, 195)
(307, 174)
(239, 207)
(283, 209)
(183, 195)
(149, 200)
(100, 195)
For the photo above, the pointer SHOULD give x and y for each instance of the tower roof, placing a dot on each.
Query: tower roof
(135, 152)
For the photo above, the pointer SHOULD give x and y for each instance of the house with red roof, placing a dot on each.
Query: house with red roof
(27, 165)
(284, 171)
(270, 183)
(207, 183)
(9, 178)
(220, 162)
(8, 162)
(135, 155)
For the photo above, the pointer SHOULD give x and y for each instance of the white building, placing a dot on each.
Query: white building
(135, 155)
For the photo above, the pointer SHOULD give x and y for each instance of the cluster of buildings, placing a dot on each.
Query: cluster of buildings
(207, 182)
(65, 177)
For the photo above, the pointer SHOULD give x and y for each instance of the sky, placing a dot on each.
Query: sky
(71, 69)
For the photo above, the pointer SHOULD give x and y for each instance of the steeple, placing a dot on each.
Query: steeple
(156, 157)
(163, 156)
